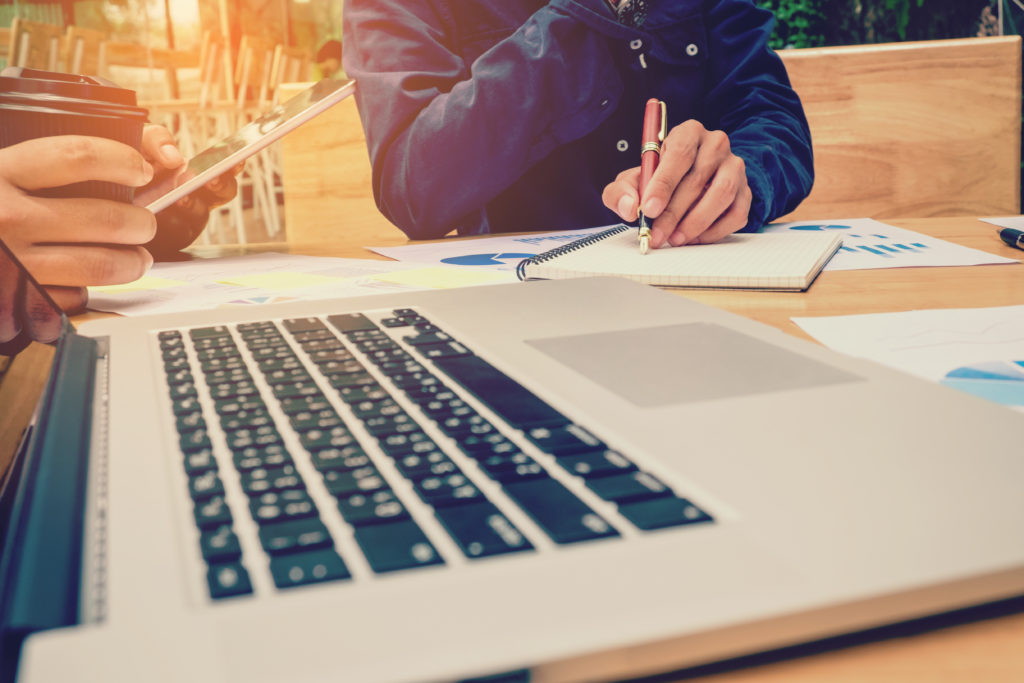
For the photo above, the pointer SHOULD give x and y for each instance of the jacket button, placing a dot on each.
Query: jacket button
(622, 145)
(692, 49)
(636, 44)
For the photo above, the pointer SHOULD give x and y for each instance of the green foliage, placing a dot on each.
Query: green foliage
(809, 23)
(798, 23)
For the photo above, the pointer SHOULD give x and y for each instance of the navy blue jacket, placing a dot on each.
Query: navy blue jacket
(512, 115)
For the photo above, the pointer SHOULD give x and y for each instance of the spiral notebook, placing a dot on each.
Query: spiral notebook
(777, 261)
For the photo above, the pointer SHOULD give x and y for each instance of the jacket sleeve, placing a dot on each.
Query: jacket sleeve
(760, 111)
(446, 136)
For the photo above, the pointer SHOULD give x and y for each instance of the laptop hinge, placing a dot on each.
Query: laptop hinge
(41, 558)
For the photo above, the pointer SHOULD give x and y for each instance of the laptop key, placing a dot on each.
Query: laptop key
(212, 513)
(596, 464)
(351, 322)
(564, 439)
(625, 488)
(363, 480)
(558, 511)
(227, 580)
(515, 403)
(395, 546)
(280, 506)
(659, 513)
(481, 530)
(372, 508)
(294, 536)
(220, 545)
(310, 567)
(451, 489)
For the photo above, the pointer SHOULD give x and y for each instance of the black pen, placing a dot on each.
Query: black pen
(1015, 238)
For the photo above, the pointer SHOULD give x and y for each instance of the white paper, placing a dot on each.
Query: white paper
(495, 253)
(272, 278)
(1015, 222)
(977, 350)
(869, 244)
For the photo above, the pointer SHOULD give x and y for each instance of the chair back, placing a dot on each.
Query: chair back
(913, 129)
(291, 65)
(254, 73)
(34, 45)
(80, 50)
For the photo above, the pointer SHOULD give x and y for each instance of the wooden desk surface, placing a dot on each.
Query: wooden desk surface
(990, 649)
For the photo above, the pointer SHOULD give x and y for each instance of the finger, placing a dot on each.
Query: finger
(80, 266)
(735, 218)
(712, 151)
(42, 322)
(10, 290)
(159, 148)
(678, 153)
(218, 191)
(719, 194)
(64, 159)
(72, 300)
(75, 220)
(621, 194)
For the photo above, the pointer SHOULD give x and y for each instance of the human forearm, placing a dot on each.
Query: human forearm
(448, 129)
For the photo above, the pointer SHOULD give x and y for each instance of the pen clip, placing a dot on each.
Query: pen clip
(664, 122)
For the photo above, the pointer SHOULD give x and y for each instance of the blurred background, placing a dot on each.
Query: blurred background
(204, 67)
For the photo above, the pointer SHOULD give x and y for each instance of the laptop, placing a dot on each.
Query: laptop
(575, 480)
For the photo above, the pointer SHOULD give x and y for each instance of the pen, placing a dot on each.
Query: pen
(650, 152)
(1015, 238)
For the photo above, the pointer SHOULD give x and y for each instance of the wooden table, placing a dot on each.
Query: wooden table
(989, 649)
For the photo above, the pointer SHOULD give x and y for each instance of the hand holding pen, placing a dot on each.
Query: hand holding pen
(655, 123)
(697, 194)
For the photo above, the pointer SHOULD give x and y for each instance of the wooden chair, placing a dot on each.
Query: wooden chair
(912, 129)
(34, 45)
(80, 50)
(5, 46)
(291, 65)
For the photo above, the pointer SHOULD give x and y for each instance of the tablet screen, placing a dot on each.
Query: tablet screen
(246, 141)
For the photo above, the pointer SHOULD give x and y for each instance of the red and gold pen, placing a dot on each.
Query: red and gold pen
(655, 123)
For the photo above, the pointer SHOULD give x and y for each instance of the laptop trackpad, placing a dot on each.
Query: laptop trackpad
(658, 366)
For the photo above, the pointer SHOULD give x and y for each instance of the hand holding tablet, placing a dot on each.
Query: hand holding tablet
(245, 142)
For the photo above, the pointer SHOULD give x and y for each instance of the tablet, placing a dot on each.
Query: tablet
(251, 138)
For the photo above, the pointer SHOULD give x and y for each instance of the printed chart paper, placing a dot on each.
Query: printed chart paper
(977, 350)
(492, 253)
(273, 278)
(869, 244)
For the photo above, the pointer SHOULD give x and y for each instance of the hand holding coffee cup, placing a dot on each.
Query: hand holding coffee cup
(72, 151)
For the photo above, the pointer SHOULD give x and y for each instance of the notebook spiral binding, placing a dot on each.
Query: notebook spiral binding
(566, 248)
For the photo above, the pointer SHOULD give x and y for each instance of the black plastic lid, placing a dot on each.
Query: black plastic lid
(50, 92)
(22, 80)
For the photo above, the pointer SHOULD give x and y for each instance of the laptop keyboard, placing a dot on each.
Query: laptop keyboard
(260, 381)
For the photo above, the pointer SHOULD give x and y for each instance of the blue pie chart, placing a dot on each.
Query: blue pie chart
(999, 381)
(492, 259)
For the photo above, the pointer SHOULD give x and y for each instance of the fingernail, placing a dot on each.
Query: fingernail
(147, 171)
(653, 207)
(626, 207)
(171, 155)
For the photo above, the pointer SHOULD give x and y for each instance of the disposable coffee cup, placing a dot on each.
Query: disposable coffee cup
(36, 104)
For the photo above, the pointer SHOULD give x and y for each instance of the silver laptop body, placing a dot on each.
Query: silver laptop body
(790, 493)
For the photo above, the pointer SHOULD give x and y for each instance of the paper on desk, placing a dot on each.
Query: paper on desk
(869, 244)
(492, 253)
(977, 350)
(271, 278)
(1015, 222)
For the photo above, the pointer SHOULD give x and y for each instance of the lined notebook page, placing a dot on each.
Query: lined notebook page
(788, 260)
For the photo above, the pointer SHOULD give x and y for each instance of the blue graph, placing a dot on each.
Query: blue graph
(491, 259)
(999, 381)
(884, 250)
